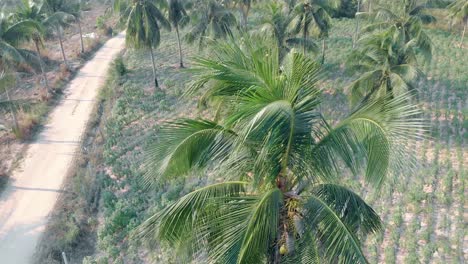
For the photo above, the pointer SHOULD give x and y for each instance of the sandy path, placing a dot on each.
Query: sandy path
(34, 187)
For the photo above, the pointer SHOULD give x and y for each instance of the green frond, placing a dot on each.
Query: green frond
(179, 220)
(352, 209)
(184, 145)
(262, 228)
(336, 238)
(384, 125)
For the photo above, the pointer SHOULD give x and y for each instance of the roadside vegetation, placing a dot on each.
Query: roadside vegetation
(273, 132)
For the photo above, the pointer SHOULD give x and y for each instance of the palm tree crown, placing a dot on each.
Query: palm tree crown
(278, 159)
(276, 23)
(384, 68)
(11, 36)
(312, 18)
(143, 23)
(212, 20)
(406, 26)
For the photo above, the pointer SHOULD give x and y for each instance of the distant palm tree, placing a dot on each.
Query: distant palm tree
(312, 16)
(277, 24)
(34, 11)
(143, 23)
(276, 163)
(75, 9)
(406, 24)
(459, 14)
(210, 19)
(244, 7)
(12, 35)
(179, 19)
(384, 68)
(58, 17)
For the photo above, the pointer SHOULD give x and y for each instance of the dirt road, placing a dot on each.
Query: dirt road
(36, 184)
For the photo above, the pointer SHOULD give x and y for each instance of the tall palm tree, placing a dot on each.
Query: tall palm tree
(459, 14)
(75, 9)
(210, 19)
(277, 23)
(59, 17)
(143, 23)
(34, 11)
(385, 69)
(179, 18)
(407, 25)
(275, 163)
(312, 16)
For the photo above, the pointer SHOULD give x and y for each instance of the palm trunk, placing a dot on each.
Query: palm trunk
(156, 84)
(274, 255)
(180, 47)
(323, 51)
(59, 33)
(463, 33)
(370, 6)
(81, 36)
(41, 64)
(304, 34)
(245, 13)
(357, 24)
(15, 120)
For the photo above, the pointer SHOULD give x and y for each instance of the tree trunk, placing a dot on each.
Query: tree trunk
(357, 24)
(274, 256)
(463, 33)
(156, 84)
(304, 34)
(13, 114)
(370, 6)
(59, 33)
(323, 51)
(244, 10)
(180, 47)
(41, 64)
(81, 36)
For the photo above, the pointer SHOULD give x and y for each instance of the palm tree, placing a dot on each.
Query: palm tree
(211, 19)
(143, 23)
(11, 36)
(34, 11)
(459, 14)
(312, 16)
(275, 163)
(7, 81)
(75, 9)
(385, 69)
(277, 24)
(244, 8)
(59, 17)
(179, 19)
(406, 24)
